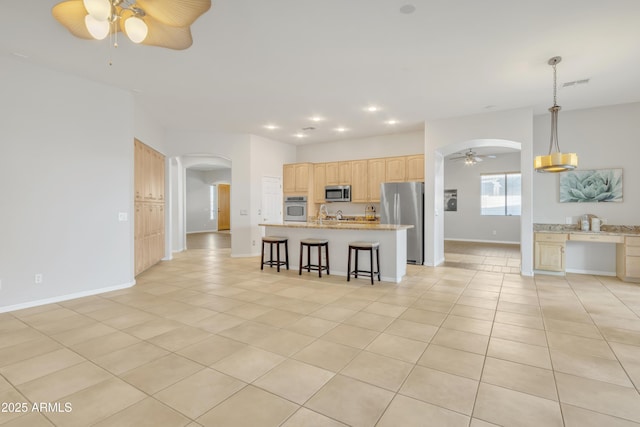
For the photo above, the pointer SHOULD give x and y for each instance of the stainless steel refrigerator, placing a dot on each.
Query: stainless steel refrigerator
(403, 203)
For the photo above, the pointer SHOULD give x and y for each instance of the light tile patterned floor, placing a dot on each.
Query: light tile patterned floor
(211, 340)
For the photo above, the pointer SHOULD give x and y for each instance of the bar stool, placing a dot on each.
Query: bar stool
(364, 246)
(317, 243)
(275, 240)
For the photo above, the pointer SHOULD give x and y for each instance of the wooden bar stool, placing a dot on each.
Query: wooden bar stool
(317, 243)
(364, 246)
(275, 240)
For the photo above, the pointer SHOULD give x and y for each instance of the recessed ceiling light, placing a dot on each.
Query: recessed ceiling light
(372, 108)
(391, 122)
(341, 129)
(316, 119)
(299, 135)
(271, 127)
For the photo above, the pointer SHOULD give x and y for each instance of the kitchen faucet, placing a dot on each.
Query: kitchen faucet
(323, 213)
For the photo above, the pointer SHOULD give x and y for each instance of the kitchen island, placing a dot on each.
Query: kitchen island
(392, 238)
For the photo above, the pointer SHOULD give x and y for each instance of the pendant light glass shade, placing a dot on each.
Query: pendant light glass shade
(555, 161)
(98, 9)
(136, 29)
(98, 29)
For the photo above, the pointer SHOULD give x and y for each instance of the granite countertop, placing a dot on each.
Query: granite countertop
(342, 225)
(631, 230)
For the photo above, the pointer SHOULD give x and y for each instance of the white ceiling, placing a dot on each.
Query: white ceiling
(256, 62)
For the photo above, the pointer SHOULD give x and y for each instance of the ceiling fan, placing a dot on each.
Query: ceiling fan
(471, 157)
(163, 23)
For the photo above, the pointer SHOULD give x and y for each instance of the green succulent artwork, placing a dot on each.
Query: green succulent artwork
(583, 186)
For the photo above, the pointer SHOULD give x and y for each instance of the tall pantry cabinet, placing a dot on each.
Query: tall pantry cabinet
(149, 206)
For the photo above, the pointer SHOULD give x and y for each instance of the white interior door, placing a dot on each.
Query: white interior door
(271, 200)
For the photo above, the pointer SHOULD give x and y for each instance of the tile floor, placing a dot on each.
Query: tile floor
(209, 340)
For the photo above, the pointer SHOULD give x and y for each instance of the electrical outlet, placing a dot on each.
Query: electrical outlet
(38, 278)
(253, 243)
(122, 216)
(494, 232)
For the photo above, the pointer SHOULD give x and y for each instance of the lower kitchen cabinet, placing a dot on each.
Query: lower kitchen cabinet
(550, 251)
(628, 259)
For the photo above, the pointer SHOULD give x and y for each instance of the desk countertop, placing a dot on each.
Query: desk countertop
(614, 230)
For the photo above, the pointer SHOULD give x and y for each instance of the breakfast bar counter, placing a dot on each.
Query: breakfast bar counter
(392, 239)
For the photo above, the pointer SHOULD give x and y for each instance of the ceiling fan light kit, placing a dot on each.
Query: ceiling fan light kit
(471, 157)
(555, 161)
(162, 23)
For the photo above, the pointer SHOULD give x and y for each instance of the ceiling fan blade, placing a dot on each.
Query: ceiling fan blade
(163, 35)
(175, 13)
(477, 159)
(71, 15)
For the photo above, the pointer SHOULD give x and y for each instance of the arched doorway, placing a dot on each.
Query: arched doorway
(434, 239)
(179, 166)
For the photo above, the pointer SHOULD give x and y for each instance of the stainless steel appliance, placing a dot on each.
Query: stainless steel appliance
(337, 193)
(403, 203)
(295, 208)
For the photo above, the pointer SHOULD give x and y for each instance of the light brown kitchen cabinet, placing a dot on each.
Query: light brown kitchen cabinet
(289, 178)
(395, 169)
(359, 181)
(149, 182)
(332, 173)
(415, 168)
(376, 176)
(297, 178)
(338, 173)
(319, 181)
(550, 251)
(303, 173)
(628, 259)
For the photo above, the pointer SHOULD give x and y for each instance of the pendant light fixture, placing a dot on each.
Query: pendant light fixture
(555, 161)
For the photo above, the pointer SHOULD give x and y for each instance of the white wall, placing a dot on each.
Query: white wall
(66, 171)
(466, 223)
(198, 203)
(267, 158)
(443, 137)
(401, 144)
(605, 137)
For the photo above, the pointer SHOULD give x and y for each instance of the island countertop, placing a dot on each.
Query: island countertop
(341, 225)
(392, 240)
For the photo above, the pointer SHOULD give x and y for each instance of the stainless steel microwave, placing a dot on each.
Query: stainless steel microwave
(337, 193)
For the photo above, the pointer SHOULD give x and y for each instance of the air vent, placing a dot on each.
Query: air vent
(309, 128)
(576, 83)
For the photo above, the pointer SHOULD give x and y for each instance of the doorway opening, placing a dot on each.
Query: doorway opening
(476, 234)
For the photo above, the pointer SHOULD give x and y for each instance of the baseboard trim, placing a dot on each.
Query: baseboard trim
(502, 242)
(52, 300)
(591, 272)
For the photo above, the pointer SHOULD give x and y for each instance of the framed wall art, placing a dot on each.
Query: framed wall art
(585, 186)
(450, 200)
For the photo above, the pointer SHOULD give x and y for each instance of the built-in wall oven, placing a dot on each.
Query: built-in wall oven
(295, 208)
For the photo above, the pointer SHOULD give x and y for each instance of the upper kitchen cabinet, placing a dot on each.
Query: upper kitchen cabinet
(415, 168)
(338, 173)
(395, 169)
(297, 178)
(359, 181)
(319, 181)
(376, 176)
